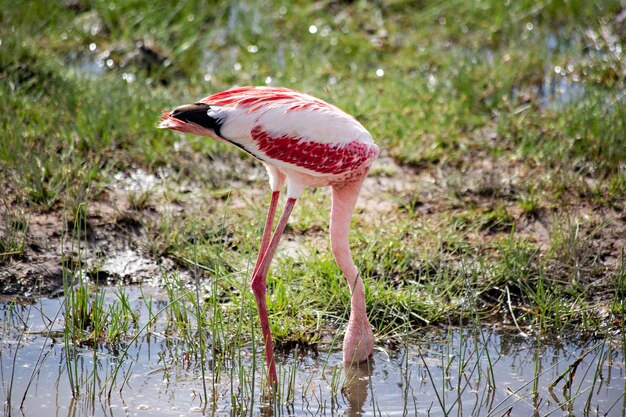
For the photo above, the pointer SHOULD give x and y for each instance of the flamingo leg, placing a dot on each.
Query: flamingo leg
(267, 229)
(259, 288)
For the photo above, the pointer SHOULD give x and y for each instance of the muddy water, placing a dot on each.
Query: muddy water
(477, 371)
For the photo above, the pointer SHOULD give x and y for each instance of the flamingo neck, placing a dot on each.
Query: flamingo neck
(359, 339)
(357, 297)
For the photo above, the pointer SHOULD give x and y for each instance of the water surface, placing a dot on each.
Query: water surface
(472, 371)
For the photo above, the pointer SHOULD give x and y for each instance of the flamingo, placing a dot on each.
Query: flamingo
(303, 142)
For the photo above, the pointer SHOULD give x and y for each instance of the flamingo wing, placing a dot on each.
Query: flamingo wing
(290, 129)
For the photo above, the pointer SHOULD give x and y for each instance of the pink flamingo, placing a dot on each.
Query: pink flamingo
(303, 142)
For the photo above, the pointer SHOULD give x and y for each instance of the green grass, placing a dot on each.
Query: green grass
(467, 106)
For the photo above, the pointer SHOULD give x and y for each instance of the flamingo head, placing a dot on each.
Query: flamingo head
(193, 118)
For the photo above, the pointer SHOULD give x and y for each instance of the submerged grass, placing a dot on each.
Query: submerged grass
(502, 181)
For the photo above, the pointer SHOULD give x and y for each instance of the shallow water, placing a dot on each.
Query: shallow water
(472, 371)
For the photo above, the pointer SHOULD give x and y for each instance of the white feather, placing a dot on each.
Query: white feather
(315, 124)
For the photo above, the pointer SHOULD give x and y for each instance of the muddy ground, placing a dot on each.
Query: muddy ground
(112, 245)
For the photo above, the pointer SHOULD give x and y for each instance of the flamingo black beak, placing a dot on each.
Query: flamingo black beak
(194, 113)
(184, 117)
